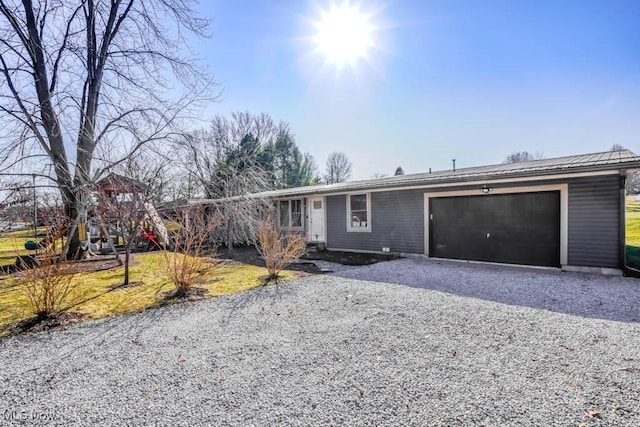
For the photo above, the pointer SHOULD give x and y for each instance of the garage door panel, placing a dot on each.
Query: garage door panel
(521, 228)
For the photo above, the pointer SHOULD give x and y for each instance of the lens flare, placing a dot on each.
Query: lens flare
(344, 34)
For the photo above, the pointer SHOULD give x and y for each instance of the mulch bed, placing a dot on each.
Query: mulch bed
(192, 293)
(249, 255)
(349, 258)
(34, 324)
(245, 255)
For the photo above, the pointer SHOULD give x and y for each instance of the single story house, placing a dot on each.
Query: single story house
(566, 212)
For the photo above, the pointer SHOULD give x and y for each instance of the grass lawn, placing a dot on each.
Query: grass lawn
(12, 244)
(98, 299)
(633, 232)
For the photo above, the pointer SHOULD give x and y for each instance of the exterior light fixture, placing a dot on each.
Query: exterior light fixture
(486, 189)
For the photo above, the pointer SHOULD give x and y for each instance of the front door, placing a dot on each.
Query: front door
(316, 220)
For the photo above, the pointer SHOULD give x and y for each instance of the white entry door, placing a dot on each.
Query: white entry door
(316, 220)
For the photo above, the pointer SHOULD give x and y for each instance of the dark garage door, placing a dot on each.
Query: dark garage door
(521, 228)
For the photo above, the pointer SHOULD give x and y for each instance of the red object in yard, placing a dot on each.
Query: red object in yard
(149, 235)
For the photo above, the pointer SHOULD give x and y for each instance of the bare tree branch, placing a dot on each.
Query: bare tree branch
(338, 168)
(80, 74)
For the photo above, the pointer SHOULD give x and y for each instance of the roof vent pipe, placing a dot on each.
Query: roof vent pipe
(454, 164)
(429, 170)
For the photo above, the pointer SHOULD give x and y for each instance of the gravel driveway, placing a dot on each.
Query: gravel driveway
(328, 350)
(589, 295)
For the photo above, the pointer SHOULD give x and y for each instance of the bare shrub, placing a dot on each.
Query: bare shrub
(278, 250)
(48, 283)
(183, 255)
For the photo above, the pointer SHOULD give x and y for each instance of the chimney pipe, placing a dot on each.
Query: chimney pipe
(454, 164)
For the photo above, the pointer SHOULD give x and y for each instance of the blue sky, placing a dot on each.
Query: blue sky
(470, 80)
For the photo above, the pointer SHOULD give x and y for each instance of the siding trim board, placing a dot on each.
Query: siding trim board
(564, 209)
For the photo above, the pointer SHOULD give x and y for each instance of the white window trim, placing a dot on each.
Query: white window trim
(366, 229)
(292, 228)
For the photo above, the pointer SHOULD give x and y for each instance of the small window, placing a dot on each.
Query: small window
(284, 214)
(296, 213)
(317, 204)
(359, 212)
(290, 213)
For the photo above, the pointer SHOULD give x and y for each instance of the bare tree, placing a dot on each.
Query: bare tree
(399, 171)
(522, 156)
(81, 72)
(240, 212)
(126, 199)
(227, 177)
(278, 250)
(183, 256)
(48, 284)
(338, 168)
(617, 147)
(238, 156)
(244, 142)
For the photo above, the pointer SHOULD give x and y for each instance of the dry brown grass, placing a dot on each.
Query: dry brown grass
(278, 250)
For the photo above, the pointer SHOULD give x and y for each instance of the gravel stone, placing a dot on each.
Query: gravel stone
(590, 295)
(464, 345)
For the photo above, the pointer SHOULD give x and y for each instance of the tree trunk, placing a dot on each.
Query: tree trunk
(67, 246)
(127, 256)
(230, 238)
(126, 266)
(73, 238)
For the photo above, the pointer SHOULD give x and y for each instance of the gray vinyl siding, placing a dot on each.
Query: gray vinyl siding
(594, 222)
(397, 222)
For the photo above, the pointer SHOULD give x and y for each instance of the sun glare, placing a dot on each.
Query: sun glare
(344, 34)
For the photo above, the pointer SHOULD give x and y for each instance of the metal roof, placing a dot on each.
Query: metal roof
(608, 160)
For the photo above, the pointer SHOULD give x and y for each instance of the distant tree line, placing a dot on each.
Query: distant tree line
(242, 154)
(522, 156)
(237, 156)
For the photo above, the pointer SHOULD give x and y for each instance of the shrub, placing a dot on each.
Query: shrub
(48, 283)
(278, 250)
(183, 255)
